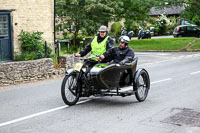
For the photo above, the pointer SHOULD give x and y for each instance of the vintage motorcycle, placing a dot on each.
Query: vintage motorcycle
(142, 34)
(90, 78)
(126, 33)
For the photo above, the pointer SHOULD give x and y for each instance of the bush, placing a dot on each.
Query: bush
(74, 49)
(116, 29)
(32, 46)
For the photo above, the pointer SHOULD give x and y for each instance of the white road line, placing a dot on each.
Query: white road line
(161, 81)
(59, 108)
(38, 114)
(130, 87)
(195, 72)
(172, 59)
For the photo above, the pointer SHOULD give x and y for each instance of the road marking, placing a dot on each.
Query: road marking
(172, 59)
(163, 80)
(38, 114)
(59, 108)
(195, 72)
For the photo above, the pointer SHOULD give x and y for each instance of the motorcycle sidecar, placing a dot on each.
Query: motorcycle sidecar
(105, 80)
(109, 77)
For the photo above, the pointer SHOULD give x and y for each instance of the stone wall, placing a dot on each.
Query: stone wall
(27, 71)
(67, 61)
(30, 15)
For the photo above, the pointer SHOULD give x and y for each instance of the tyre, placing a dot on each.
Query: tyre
(141, 85)
(70, 89)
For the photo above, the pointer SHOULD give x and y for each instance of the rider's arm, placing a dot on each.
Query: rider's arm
(109, 53)
(129, 57)
(110, 43)
(87, 49)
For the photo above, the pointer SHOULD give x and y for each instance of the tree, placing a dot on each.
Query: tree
(85, 15)
(191, 12)
(135, 11)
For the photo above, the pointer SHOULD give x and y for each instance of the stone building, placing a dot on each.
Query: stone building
(26, 15)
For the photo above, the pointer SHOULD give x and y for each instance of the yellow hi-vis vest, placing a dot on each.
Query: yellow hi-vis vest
(98, 48)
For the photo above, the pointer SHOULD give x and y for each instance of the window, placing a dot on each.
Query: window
(191, 28)
(3, 25)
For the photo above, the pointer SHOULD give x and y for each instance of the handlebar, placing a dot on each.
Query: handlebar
(83, 58)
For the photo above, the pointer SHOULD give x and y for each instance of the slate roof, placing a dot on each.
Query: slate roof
(173, 10)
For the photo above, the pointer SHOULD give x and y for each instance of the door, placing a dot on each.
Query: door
(5, 37)
(191, 31)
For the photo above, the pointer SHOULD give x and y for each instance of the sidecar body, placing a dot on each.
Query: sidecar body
(110, 76)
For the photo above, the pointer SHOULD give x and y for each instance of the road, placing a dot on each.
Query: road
(172, 105)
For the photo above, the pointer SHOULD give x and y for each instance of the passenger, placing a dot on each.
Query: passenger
(99, 44)
(121, 55)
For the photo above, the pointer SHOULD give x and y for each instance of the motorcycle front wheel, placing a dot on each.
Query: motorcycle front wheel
(70, 89)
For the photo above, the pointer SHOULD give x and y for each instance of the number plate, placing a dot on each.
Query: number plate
(78, 66)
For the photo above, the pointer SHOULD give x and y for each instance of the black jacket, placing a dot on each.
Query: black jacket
(119, 56)
(109, 44)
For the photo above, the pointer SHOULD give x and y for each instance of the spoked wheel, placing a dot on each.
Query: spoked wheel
(70, 89)
(142, 85)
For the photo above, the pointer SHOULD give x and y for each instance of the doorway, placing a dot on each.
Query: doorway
(6, 48)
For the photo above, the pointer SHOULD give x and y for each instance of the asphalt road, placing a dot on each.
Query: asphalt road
(175, 82)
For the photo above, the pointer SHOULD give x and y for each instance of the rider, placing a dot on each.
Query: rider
(99, 44)
(120, 55)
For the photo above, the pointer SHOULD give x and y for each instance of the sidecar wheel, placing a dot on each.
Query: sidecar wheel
(70, 89)
(141, 85)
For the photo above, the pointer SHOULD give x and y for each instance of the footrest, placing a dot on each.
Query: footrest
(127, 93)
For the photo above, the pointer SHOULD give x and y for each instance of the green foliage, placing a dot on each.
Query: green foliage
(30, 42)
(135, 10)
(162, 24)
(74, 49)
(32, 46)
(195, 20)
(191, 11)
(196, 46)
(116, 29)
(85, 15)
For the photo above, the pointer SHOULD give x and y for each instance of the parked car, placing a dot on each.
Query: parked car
(186, 31)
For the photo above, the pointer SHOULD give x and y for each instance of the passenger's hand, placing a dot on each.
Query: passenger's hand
(101, 58)
(77, 55)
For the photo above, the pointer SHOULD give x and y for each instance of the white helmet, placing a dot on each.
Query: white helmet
(124, 39)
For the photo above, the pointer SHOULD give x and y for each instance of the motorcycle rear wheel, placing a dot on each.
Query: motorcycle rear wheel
(70, 89)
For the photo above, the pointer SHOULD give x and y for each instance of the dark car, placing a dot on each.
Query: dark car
(186, 31)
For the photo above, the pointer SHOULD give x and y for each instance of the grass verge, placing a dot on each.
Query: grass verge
(163, 44)
(196, 46)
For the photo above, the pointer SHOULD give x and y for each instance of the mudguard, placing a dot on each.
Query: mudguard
(69, 71)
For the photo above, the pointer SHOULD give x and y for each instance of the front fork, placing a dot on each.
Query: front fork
(82, 76)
